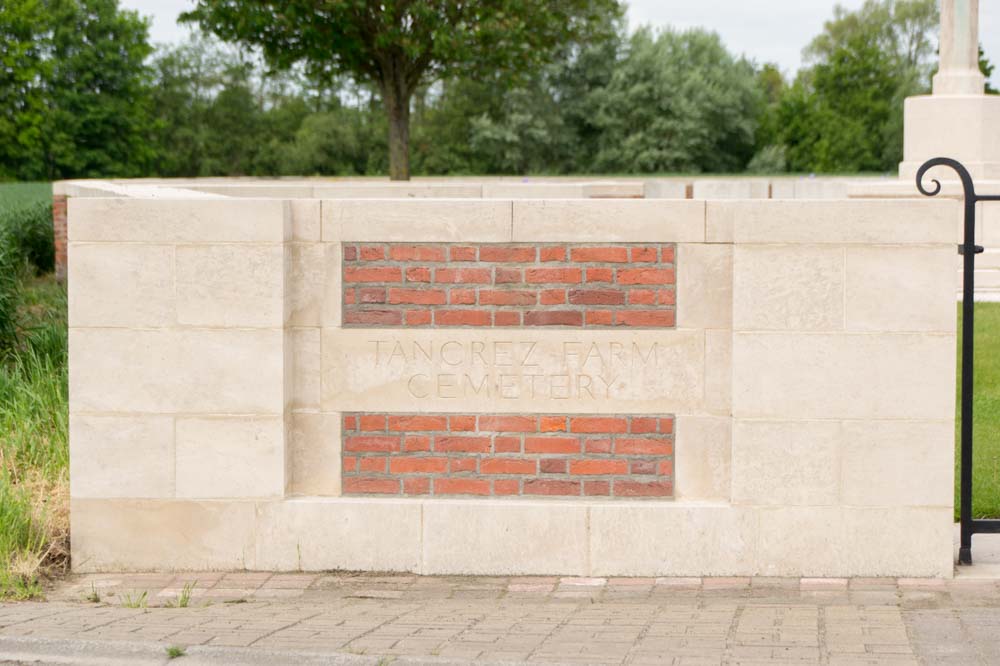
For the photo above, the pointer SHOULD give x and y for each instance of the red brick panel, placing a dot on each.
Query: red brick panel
(500, 285)
(505, 455)
(59, 232)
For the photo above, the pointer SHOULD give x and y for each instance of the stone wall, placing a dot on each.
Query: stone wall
(227, 412)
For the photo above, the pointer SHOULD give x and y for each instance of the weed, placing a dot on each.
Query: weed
(94, 597)
(131, 600)
(184, 599)
(174, 651)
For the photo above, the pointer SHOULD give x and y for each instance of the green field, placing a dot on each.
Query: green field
(986, 411)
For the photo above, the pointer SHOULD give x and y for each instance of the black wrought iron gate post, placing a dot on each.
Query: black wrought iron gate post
(968, 249)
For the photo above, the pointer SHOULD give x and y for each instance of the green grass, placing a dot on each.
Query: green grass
(20, 195)
(34, 457)
(986, 415)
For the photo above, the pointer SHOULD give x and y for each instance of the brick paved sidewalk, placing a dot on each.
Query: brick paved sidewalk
(567, 620)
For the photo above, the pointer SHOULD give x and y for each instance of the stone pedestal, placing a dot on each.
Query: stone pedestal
(963, 127)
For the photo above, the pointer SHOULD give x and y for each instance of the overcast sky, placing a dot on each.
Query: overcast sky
(764, 30)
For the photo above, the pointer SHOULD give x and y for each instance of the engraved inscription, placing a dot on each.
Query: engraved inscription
(511, 370)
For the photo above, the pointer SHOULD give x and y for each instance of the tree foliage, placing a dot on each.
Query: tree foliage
(678, 102)
(83, 94)
(845, 112)
(399, 44)
(74, 89)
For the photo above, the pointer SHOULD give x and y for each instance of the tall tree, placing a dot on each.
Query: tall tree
(398, 44)
(74, 89)
(679, 101)
(845, 112)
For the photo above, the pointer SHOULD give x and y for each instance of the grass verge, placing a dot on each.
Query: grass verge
(34, 456)
(986, 415)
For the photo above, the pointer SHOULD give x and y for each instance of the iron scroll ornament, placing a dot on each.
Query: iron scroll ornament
(968, 249)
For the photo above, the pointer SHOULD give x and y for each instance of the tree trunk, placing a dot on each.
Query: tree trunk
(396, 98)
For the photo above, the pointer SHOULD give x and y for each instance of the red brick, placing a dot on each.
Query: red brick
(643, 446)
(461, 423)
(418, 274)
(418, 422)
(418, 317)
(466, 444)
(418, 465)
(462, 296)
(599, 254)
(371, 295)
(642, 297)
(508, 423)
(462, 318)
(665, 468)
(507, 444)
(463, 254)
(553, 318)
(596, 297)
(507, 275)
(348, 297)
(551, 445)
(418, 296)
(372, 464)
(600, 275)
(642, 467)
(460, 465)
(417, 253)
(552, 465)
(666, 425)
(645, 317)
(551, 487)
(552, 254)
(596, 488)
(553, 275)
(372, 253)
(376, 274)
(668, 297)
(601, 445)
(644, 254)
(508, 466)
(371, 443)
(506, 318)
(600, 318)
(597, 424)
(552, 296)
(506, 487)
(372, 422)
(645, 276)
(349, 464)
(416, 443)
(552, 424)
(462, 276)
(598, 467)
(350, 253)
(416, 485)
(643, 488)
(667, 255)
(643, 424)
(505, 253)
(374, 317)
(461, 487)
(350, 422)
(505, 297)
(370, 486)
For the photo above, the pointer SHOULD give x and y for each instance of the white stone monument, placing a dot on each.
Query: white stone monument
(958, 120)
